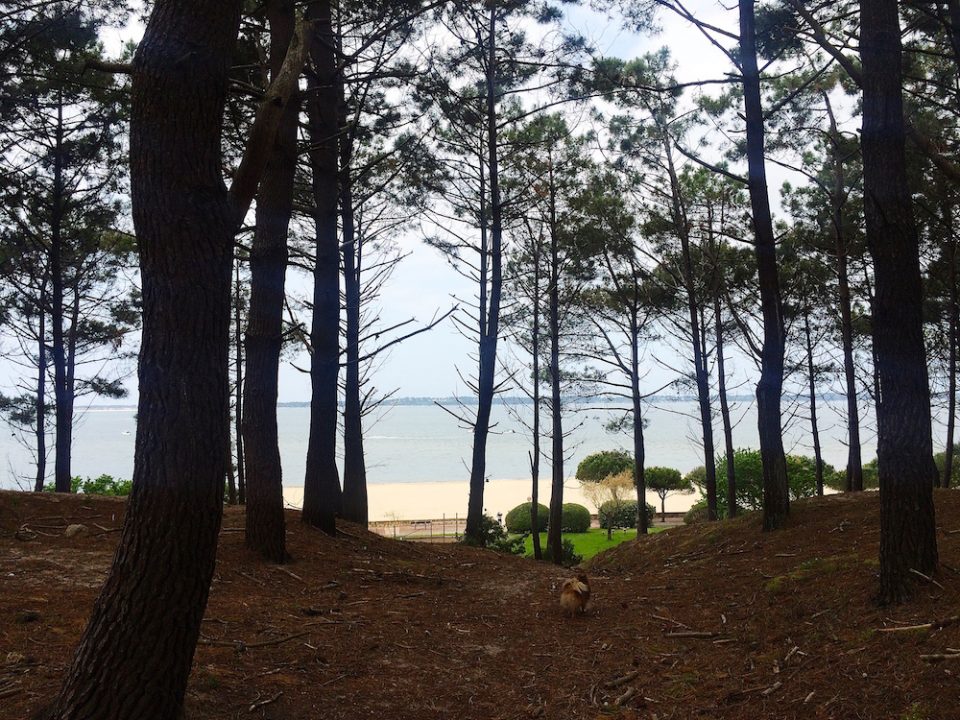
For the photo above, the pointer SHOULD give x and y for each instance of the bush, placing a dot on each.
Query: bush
(594, 468)
(103, 485)
(801, 477)
(491, 534)
(518, 519)
(622, 515)
(696, 514)
(569, 557)
(575, 518)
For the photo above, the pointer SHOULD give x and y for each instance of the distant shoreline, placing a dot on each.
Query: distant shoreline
(511, 401)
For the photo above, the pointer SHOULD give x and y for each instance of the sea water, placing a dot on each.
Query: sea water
(425, 443)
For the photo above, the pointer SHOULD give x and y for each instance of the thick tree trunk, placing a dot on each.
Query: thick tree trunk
(812, 387)
(776, 495)
(732, 510)
(905, 447)
(265, 523)
(489, 330)
(321, 487)
(135, 654)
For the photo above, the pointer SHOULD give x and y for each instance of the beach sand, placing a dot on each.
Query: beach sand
(434, 500)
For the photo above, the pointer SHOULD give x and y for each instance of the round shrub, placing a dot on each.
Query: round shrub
(623, 515)
(575, 518)
(696, 514)
(518, 519)
(595, 467)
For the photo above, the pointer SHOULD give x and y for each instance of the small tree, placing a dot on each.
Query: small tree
(601, 465)
(613, 491)
(663, 481)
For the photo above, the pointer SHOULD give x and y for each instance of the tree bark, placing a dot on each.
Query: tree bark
(953, 321)
(490, 328)
(535, 455)
(854, 475)
(732, 510)
(135, 655)
(63, 430)
(321, 487)
(41, 403)
(265, 523)
(776, 495)
(905, 445)
(554, 526)
(238, 387)
(355, 506)
(639, 451)
(812, 385)
(701, 374)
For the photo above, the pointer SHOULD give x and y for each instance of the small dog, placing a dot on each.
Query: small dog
(575, 595)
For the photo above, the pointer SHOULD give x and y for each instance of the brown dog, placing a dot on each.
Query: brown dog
(575, 595)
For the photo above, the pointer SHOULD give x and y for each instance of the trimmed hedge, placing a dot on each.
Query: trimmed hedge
(518, 519)
(624, 516)
(575, 518)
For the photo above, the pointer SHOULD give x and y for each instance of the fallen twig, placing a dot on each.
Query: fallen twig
(937, 657)
(242, 646)
(927, 578)
(622, 680)
(269, 700)
(626, 697)
(934, 625)
(772, 689)
(691, 634)
(291, 574)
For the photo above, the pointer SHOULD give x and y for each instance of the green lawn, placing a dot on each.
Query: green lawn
(591, 542)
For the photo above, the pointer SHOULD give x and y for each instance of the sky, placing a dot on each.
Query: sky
(424, 284)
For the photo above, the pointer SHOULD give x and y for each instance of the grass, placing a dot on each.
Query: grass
(590, 543)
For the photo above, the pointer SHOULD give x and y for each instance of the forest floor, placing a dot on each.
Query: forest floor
(708, 621)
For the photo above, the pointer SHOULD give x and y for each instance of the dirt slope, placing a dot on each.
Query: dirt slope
(365, 627)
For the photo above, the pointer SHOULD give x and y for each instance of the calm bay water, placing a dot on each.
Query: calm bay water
(415, 443)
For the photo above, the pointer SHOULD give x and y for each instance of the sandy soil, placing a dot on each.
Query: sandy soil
(710, 621)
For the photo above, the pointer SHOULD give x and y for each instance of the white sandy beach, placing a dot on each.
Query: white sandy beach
(432, 500)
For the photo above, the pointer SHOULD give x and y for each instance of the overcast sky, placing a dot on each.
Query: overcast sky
(424, 283)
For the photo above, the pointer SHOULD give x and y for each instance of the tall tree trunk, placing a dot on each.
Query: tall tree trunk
(905, 446)
(535, 455)
(701, 374)
(64, 416)
(953, 323)
(639, 451)
(41, 402)
(554, 526)
(854, 476)
(265, 522)
(321, 487)
(135, 655)
(239, 386)
(812, 384)
(354, 465)
(776, 494)
(732, 510)
(489, 330)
